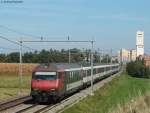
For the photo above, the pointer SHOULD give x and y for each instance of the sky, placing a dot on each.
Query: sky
(112, 24)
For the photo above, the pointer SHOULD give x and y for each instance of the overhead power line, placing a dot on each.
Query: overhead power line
(17, 43)
(21, 33)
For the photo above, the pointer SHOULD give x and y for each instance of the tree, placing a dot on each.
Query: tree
(13, 57)
(3, 58)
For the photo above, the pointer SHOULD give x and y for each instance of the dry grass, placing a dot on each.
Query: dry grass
(14, 68)
(140, 104)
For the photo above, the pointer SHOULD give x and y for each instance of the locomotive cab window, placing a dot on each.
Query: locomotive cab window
(45, 76)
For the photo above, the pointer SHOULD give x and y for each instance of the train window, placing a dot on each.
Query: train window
(79, 75)
(76, 76)
(72, 76)
(102, 69)
(97, 70)
(94, 71)
(45, 75)
(107, 68)
(67, 77)
(88, 72)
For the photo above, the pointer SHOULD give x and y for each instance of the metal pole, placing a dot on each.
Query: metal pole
(92, 68)
(20, 70)
(107, 55)
(69, 53)
(111, 56)
(111, 60)
(69, 57)
(99, 57)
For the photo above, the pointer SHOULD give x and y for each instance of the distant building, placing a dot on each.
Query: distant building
(146, 60)
(124, 56)
(139, 43)
(133, 55)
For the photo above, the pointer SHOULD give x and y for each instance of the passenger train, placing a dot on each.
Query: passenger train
(51, 82)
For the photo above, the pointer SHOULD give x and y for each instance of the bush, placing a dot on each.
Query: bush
(138, 69)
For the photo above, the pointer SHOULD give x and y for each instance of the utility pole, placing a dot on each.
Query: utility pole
(100, 58)
(99, 55)
(111, 56)
(107, 55)
(20, 70)
(69, 52)
(92, 50)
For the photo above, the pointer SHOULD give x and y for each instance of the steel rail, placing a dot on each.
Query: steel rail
(14, 102)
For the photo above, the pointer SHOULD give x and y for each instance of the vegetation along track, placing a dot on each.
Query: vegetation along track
(13, 102)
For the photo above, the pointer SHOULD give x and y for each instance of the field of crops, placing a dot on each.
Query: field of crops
(14, 68)
(9, 79)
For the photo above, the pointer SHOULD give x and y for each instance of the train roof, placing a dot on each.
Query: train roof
(66, 67)
(56, 66)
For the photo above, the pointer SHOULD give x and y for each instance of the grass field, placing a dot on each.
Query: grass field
(139, 104)
(118, 92)
(9, 85)
(9, 79)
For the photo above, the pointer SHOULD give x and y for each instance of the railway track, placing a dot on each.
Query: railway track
(13, 102)
(37, 108)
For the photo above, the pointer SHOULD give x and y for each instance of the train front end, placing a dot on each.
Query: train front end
(45, 86)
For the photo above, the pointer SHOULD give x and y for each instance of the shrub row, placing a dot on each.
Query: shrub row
(138, 69)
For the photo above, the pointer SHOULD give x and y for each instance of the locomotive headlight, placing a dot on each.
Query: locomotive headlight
(35, 89)
(53, 89)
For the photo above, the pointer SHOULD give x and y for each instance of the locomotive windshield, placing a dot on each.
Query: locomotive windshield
(45, 76)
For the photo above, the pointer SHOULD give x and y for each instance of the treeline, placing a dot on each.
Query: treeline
(52, 55)
(138, 69)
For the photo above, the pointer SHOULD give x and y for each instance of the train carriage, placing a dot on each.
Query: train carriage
(54, 81)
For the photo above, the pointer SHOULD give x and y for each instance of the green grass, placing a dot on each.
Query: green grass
(119, 91)
(6, 93)
(9, 84)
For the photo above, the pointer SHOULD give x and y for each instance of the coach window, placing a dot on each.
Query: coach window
(78, 73)
(66, 73)
(75, 76)
(69, 73)
(86, 74)
(89, 72)
(94, 71)
(72, 76)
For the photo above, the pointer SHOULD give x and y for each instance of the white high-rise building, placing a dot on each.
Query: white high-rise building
(139, 43)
